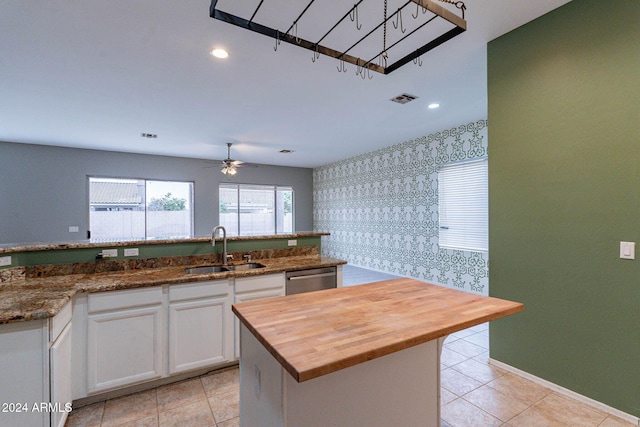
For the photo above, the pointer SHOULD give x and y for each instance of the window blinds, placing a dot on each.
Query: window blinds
(464, 205)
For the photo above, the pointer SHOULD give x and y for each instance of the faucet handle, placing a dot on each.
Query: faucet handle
(229, 256)
(247, 257)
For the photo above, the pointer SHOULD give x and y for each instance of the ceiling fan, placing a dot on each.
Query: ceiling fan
(229, 166)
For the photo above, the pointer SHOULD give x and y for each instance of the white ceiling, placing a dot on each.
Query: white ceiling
(97, 74)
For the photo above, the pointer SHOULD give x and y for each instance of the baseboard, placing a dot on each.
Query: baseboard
(566, 392)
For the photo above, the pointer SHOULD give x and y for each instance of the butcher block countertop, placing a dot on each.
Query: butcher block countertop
(317, 333)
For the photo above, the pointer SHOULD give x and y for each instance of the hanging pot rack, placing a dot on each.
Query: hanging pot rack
(378, 62)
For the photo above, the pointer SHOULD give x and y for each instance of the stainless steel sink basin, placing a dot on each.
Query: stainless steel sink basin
(206, 269)
(241, 267)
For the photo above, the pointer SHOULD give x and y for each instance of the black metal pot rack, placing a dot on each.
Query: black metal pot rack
(290, 36)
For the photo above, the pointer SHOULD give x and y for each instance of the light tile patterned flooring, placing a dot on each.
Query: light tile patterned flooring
(474, 394)
(211, 400)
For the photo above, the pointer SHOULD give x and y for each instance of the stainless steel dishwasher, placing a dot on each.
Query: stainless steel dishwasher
(314, 279)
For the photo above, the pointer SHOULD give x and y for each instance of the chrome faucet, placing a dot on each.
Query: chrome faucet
(225, 257)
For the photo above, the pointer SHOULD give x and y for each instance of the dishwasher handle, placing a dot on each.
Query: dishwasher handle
(311, 276)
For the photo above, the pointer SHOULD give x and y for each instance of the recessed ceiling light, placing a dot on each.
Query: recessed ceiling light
(433, 106)
(219, 53)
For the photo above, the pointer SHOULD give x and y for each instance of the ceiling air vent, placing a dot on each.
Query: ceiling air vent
(404, 98)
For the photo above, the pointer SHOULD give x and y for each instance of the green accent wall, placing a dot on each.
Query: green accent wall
(564, 190)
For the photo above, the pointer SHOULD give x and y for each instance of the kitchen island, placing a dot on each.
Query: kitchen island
(366, 355)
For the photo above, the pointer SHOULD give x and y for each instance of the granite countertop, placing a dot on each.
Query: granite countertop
(7, 248)
(41, 293)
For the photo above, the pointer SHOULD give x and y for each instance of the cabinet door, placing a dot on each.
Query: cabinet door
(198, 333)
(60, 359)
(124, 347)
(250, 296)
(24, 379)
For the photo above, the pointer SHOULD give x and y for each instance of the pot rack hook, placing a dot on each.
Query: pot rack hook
(342, 68)
(417, 60)
(316, 54)
(277, 40)
(295, 32)
(424, 10)
(398, 22)
(363, 71)
(353, 15)
(382, 59)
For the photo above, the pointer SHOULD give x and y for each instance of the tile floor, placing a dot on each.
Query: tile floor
(474, 394)
(211, 400)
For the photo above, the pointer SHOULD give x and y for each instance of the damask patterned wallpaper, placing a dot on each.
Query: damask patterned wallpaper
(381, 209)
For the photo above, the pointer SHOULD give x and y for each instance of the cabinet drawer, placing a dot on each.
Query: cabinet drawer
(198, 290)
(59, 321)
(259, 283)
(112, 300)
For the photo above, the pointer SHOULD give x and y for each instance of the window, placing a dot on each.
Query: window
(249, 210)
(464, 205)
(138, 209)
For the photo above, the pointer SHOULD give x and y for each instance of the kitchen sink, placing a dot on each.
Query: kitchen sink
(206, 269)
(241, 267)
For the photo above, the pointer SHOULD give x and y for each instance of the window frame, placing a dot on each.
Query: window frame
(470, 237)
(276, 188)
(191, 206)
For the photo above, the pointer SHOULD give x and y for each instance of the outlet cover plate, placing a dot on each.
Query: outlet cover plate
(131, 252)
(628, 250)
(5, 261)
(110, 253)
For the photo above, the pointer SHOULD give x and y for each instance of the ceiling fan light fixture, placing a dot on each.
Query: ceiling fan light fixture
(229, 170)
(229, 166)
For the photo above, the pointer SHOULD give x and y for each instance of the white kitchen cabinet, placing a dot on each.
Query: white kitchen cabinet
(24, 373)
(35, 371)
(60, 365)
(200, 327)
(254, 288)
(125, 338)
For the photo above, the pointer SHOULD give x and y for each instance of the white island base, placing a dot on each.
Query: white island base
(399, 389)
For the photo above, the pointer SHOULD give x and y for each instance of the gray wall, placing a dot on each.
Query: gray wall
(43, 189)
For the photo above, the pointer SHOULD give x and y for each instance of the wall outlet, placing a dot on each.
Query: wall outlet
(109, 253)
(74, 229)
(5, 261)
(131, 252)
(293, 243)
